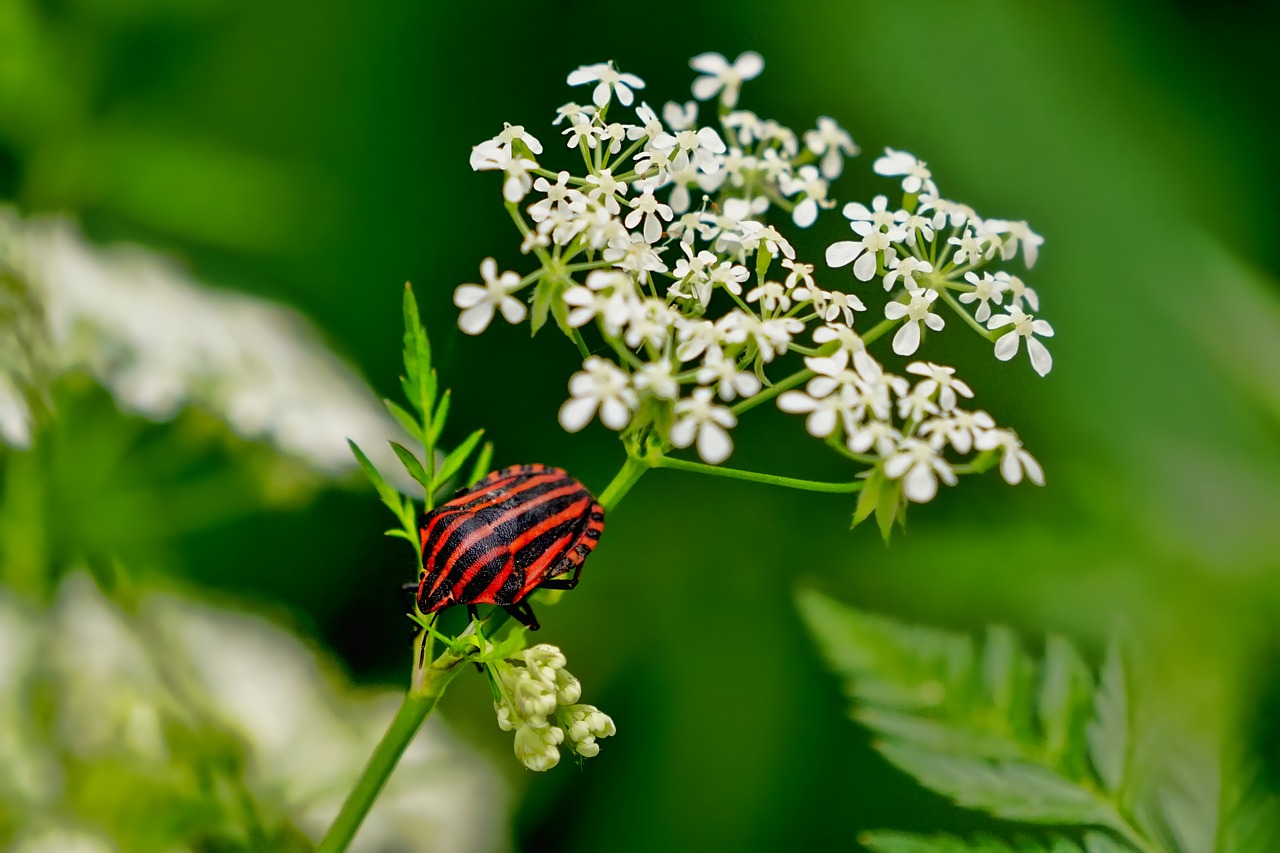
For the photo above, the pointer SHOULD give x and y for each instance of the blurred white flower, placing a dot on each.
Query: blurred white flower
(159, 341)
(478, 302)
(720, 76)
(600, 385)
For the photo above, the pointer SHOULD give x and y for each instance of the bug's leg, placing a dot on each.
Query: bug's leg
(523, 613)
(422, 653)
(575, 558)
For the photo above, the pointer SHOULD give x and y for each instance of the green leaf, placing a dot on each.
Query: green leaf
(481, 466)
(401, 534)
(981, 723)
(1108, 732)
(389, 496)
(411, 464)
(1250, 812)
(545, 293)
(453, 462)
(407, 421)
(419, 379)
(903, 842)
(438, 419)
(1101, 842)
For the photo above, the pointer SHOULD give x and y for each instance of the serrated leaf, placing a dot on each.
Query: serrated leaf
(389, 496)
(1108, 732)
(419, 379)
(411, 463)
(1007, 673)
(438, 419)
(1063, 704)
(868, 497)
(904, 842)
(481, 466)
(1101, 842)
(1011, 790)
(407, 421)
(453, 462)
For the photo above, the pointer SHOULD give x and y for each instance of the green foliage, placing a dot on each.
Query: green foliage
(902, 842)
(1033, 741)
(421, 388)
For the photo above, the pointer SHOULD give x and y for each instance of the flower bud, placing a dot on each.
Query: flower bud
(536, 747)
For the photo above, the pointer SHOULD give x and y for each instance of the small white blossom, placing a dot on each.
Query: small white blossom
(652, 210)
(535, 747)
(920, 467)
(906, 269)
(880, 436)
(1018, 292)
(723, 372)
(720, 75)
(1015, 233)
(697, 417)
(605, 190)
(1015, 462)
(478, 303)
(772, 296)
(958, 428)
(656, 378)
(583, 724)
(699, 147)
(865, 253)
(916, 177)
(680, 117)
(879, 214)
(609, 83)
(833, 143)
(942, 379)
(907, 340)
(814, 188)
(600, 385)
(1024, 326)
(985, 291)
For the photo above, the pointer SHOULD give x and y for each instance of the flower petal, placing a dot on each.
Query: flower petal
(1007, 346)
(476, 319)
(577, 412)
(714, 444)
(907, 340)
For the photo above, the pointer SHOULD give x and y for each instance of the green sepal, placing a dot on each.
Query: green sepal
(411, 463)
(545, 294)
(560, 313)
(406, 420)
(868, 498)
(763, 259)
(453, 462)
(889, 507)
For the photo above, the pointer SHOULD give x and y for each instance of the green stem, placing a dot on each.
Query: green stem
(632, 471)
(755, 477)
(418, 704)
(968, 318)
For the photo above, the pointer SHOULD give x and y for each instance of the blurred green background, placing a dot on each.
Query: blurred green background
(316, 154)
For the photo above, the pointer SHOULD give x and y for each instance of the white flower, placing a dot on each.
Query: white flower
(1015, 233)
(680, 117)
(729, 380)
(559, 196)
(879, 435)
(916, 175)
(699, 147)
(1015, 461)
(518, 180)
(1018, 291)
(698, 417)
(823, 411)
(879, 214)
(502, 147)
(651, 209)
(1024, 326)
(582, 131)
(771, 295)
(847, 338)
(599, 385)
(720, 75)
(907, 340)
(814, 188)
(941, 379)
(959, 428)
(920, 467)
(605, 189)
(609, 81)
(865, 252)
(478, 303)
(772, 337)
(985, 290)
(906, 269)
(656, 377)
(973, 247)
(833, 143)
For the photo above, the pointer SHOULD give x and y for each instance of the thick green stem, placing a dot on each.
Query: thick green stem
(631, 471)
(418, 704)
(754, 477)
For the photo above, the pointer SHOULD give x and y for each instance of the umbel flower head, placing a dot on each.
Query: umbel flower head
(663, 248)
(537, 698)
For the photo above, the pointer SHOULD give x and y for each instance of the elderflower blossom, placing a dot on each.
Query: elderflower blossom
(666, 252)
(538, 700)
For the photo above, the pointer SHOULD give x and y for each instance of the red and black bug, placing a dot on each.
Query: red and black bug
(517, 530)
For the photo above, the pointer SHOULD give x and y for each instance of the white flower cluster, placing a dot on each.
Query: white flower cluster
(663, 245)
(539, 702)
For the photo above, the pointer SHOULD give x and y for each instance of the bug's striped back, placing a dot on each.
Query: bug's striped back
(498, 541)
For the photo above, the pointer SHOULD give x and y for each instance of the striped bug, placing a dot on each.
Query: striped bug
(517, 530)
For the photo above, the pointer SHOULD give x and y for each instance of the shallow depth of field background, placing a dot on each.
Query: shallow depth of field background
(316, 154)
